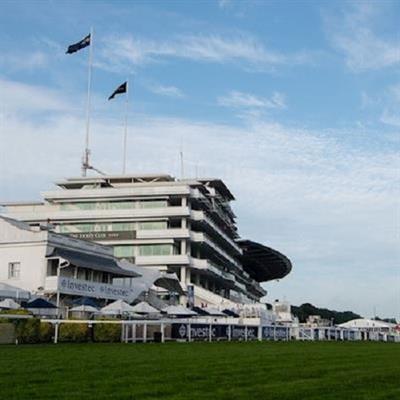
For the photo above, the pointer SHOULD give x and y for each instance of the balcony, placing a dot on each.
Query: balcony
(88, 215)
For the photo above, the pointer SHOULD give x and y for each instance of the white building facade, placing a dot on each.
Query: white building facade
(181, 226)
(48, 264)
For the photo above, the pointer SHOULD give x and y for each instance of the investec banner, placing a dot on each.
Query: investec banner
(117, 235)
(275, 332)
(202, 332)
(94, 289)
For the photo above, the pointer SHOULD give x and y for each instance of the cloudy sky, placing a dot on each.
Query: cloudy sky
(294, 104)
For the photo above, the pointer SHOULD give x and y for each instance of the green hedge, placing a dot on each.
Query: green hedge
(107, 333)
(74, 333)
(33, 331)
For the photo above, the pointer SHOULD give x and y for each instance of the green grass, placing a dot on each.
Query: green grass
(259, 371)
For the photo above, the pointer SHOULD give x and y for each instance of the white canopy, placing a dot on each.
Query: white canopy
(10, 304)
(13, 292)
(149, 277)
(215, 312)
(178, 311)
(84, 308)
(364, 323)
(144, 308)
(117, 307)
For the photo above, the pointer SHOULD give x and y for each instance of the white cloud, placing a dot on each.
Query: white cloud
(390, 118)
(237, 99)
(241, 49)
(23, 61)
(169, 91)
(353, 35)
(17, 96)
(329, 206)
(224, 3)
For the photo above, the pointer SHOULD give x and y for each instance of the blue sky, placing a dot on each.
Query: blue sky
(294, 104)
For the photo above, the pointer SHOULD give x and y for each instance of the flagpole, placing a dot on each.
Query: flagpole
(85, 161)
(126, 126)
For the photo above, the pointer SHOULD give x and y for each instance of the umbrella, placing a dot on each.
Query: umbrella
(10, 304)
(215, 312)
(84, 308)
(40, 303)
(117, 307)
(144, 308)
(85, 301)
(179, 311)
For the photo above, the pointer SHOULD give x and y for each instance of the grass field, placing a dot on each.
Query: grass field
(193, 371)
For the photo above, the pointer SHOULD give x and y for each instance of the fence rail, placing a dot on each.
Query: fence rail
(133, 331)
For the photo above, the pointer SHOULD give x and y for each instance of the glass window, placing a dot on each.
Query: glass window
(152, 203)
(124, 251)
(52, 267)
(155, 250)
(152, 225)
(14, 269)
(123, 226)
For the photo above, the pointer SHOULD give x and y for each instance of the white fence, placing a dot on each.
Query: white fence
(133, 331)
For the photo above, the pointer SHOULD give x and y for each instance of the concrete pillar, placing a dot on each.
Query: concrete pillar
(188, 275)
(183, 276)
(183, 247)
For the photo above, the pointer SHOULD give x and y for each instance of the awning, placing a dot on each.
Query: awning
(263, 263)
(8, 291)
(92, 261)
(170, 282)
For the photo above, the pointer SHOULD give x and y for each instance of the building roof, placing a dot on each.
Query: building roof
(92, 261)
(263, 263)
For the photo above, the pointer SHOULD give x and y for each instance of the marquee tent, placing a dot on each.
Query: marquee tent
(118, 307)
(13, 292)
(144, 308)
(9, 304)
(178, 311)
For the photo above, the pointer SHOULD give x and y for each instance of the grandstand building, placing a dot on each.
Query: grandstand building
(184, 226)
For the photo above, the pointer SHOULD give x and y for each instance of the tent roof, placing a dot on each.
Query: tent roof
(119, 306)
(14, 292)
(178, 310)
(9, 303)
(84, 308)
(40, 303)
(144, 308)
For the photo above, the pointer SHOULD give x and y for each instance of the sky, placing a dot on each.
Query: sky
(294, 104)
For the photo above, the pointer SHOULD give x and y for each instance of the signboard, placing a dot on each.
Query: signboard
(94, 289)
(190, 296)
(98, 236)
(275, 332)
(202, 332)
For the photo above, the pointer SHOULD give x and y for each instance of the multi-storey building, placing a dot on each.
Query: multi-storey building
(182, 226)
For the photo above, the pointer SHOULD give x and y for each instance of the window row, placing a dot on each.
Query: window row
(113, 205)
(145, 250)
(113, 227)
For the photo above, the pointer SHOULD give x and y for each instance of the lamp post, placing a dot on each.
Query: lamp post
(65, 264)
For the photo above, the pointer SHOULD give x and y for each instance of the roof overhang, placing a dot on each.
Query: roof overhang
(263, 263)
(92, 261)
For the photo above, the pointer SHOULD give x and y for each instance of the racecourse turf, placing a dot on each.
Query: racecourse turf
(191, 371)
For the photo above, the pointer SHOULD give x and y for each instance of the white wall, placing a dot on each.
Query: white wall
(33, 264)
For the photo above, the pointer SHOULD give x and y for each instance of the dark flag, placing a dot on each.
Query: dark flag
(78, 46)
(120, 89)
